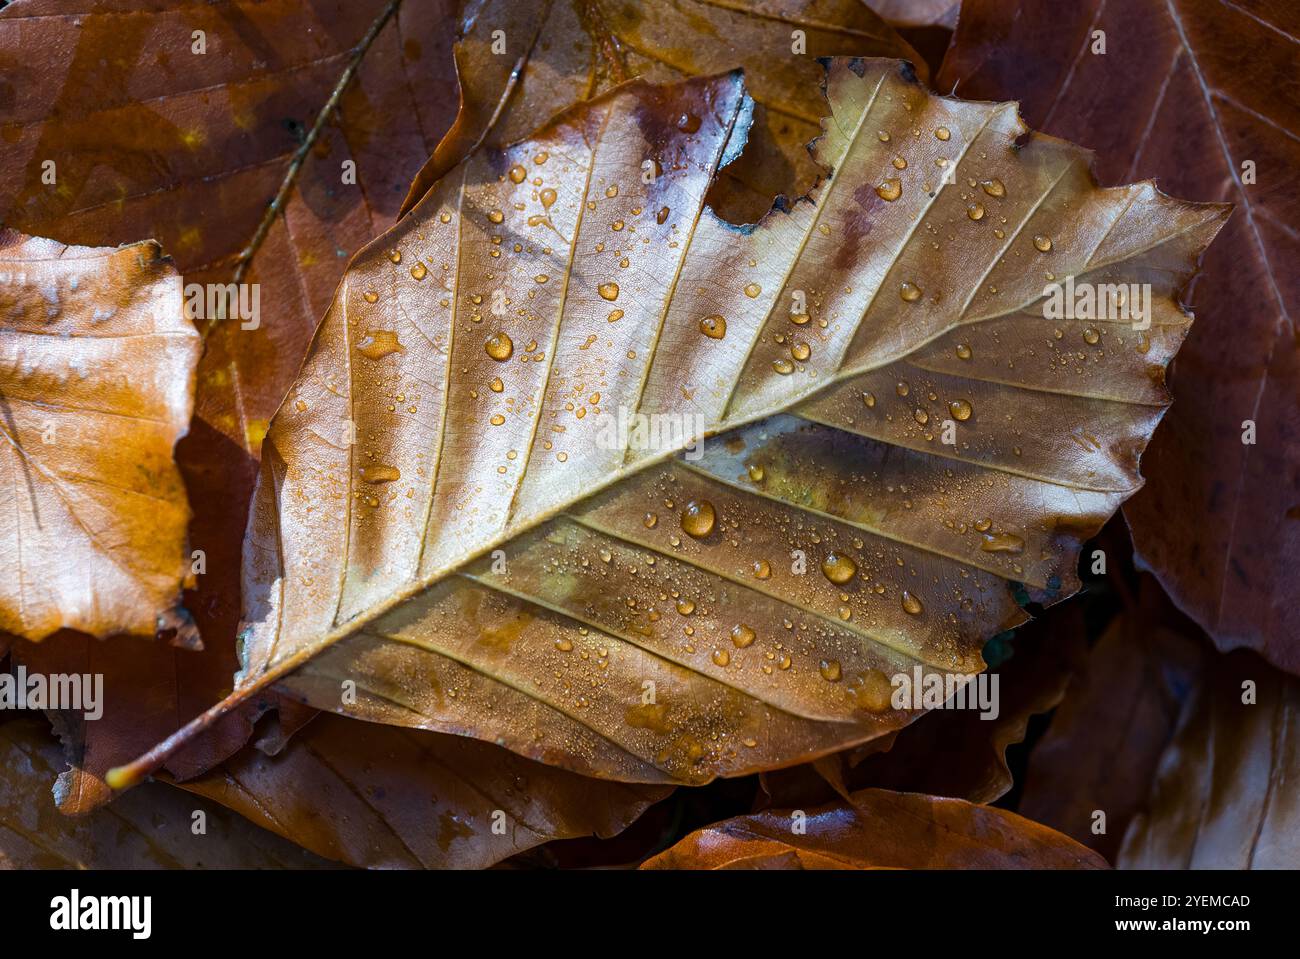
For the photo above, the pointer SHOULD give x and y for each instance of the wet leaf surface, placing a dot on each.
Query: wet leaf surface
(960, 752)
(880, 829)
(1202, 95)
(98, 370)
(643, 620)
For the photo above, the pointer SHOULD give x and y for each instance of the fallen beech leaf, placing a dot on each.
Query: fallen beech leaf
(1101, 749)
(643, 619)
(880, 830)
(1203, 95)
(386, 797)
(150, 139)
(153, 828)
(1222, 797)
(98, 374)
(560, 52)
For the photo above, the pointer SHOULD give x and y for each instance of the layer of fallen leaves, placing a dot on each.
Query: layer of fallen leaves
(234, 161)
(401, 798)
(642, 623)
(656, 630)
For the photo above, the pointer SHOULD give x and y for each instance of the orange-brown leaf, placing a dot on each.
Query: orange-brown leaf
(96, 382)
(879, 829)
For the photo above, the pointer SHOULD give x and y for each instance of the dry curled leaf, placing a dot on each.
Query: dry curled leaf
(386, 797)
(152, 828)
(522, 61)
(1201, 94)
(1223, 795)
(879, 829)
(96, 378)
(643, 620)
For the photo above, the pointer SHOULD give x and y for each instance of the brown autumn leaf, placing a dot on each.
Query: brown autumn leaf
(98, 375)
(387, 797)
(953, 752)
(1197, 93)
(1101, 749)
(1222, 796)
(150, 829)
(880, 829)
(151, 139)
(520, 62)
(643, 620)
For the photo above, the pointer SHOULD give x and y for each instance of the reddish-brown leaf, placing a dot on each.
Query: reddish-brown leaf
(1100, 752)
(153, 828)
(388, 797)
(1191, 91)
(151, 689)
(880, 829)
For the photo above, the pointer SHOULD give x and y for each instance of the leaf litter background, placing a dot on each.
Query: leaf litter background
(1111, 700)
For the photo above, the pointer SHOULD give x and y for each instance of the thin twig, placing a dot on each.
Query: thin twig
(290, 176)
